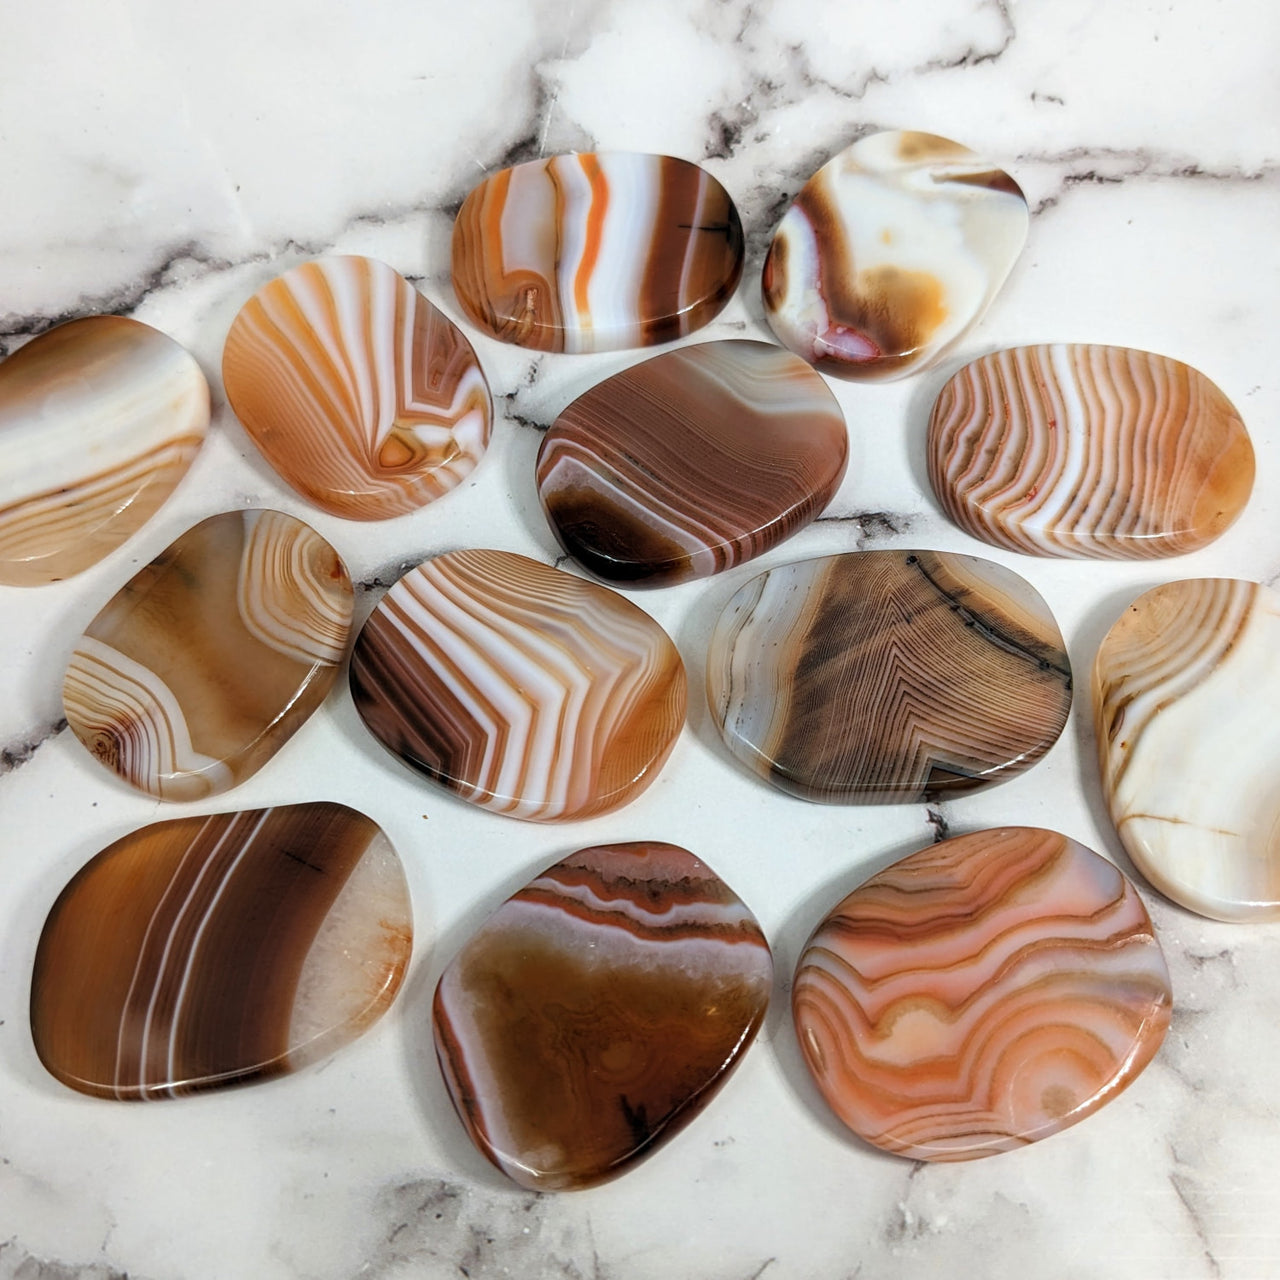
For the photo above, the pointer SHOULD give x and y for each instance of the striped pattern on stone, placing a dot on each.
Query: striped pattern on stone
(1090, 451)
(363, 396)
(596, 252)
(99, 420)
(598, 1011)
(1186, 688)
(692, 462)
(204, 664)
(519, 688)
(980, 995)
(888, 677)
(890, 254)
(212, 951)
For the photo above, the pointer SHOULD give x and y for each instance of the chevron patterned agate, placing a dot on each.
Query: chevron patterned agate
(211, 951)
(364, 397)
(890, 254)
(598, 1011)
(520, 688)
(99, 420)
(980, 995)
(1091, 451)
(596, 252)
(1186, 704)
(888, 677)
(204, 664)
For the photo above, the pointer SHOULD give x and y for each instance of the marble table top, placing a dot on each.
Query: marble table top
(164, 160)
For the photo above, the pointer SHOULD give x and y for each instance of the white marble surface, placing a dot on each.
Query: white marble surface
(163, 158)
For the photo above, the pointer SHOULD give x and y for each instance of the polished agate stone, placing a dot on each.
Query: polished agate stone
(980, 995)
(692, 462)
(1186, 695)
(596, 252)
(598, 1011)
(519, 688)
(99, 420)
(890, 254)
(888, 677)
(1092, 451)
(364, 397)
(211, 951)
(204, 664)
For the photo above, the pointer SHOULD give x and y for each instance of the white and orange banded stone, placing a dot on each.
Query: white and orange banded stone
(1074, 449)
(980, 995)
(363, 396)
(520, 688)
(1186, 704)
(206, 662)
(99, 420)
(596, 252)
(598, 1011)
(890, 254)
(211, 951)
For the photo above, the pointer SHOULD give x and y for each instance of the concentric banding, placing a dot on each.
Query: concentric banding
(598, 1010)
(1091, 451)
(980, 995)
(1185, 690)
(596, 252)
(363, 396)
(99, 420)
(207, 661)
(520, 688)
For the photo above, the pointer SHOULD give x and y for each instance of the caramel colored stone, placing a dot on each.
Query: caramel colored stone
(598, 1011)
(211, 951)
(204, 664)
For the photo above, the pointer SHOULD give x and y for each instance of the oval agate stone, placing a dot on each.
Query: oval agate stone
(364, 397)
(99, 420)
(1186, 688)
(1092, 451)
(598, 1011)
(890, 254)
(204, 664)
(980, 995)
(519, 688)
(888, 677)
(211, 951)
(596, 252)
(691, 462)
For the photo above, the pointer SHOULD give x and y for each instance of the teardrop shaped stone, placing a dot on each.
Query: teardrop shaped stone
(692, 462)
(1073, 449)
(890, 254)
(888, 677)
(1186, 688)
(596, 252)
(363, 396)
(211, 951)
(980, 995)
(598, 1011)
(205, 663)
(520, 688)
(99, 420)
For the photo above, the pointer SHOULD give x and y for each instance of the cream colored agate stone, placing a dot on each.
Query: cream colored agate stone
(890, 253)
(210, 951)
(99, 420)
(1186, 704)
(205, 663)
(362, 395)
(980, 995)
(1075, 449)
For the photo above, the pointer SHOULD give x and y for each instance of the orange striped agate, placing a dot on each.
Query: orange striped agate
(980, 995)
(598, 1011)
(363, 396)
